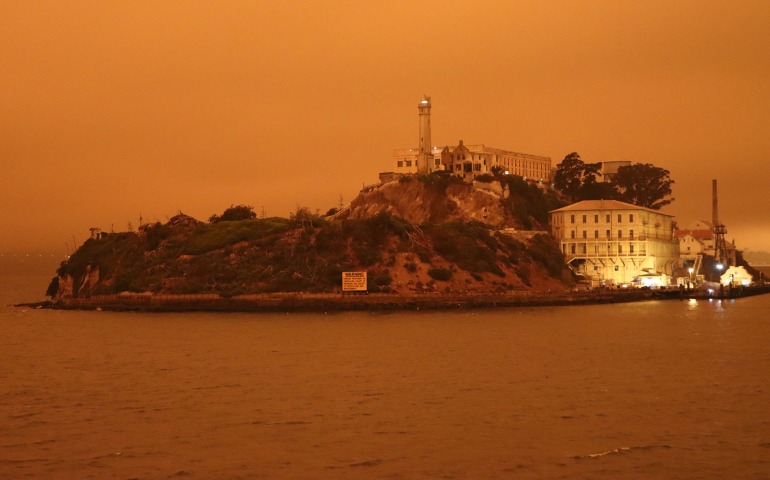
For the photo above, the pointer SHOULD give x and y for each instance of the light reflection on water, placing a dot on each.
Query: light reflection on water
(664, 389)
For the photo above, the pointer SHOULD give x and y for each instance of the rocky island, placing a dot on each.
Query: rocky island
(422, 240)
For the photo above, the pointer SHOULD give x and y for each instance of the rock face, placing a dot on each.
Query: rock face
(420, 203)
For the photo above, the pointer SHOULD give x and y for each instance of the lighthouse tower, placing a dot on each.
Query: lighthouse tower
(425, 156)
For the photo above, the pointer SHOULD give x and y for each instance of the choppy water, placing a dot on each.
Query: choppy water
(668, 390)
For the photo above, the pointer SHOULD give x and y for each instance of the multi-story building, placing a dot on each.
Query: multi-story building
(613, 243)
(465, 160)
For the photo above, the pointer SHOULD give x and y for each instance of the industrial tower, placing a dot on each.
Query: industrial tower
(720, 246)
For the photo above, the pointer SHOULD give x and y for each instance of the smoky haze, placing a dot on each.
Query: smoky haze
(112, 110)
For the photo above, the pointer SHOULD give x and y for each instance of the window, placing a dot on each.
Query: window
(631, 248)
(437, 162)
(596, 218)
(408, 163)
(609, 235)
(573, 249)
(572, 219)
(596, 233)
(620, 249)
(584, 218)
(400, 163)
(584, 234)
(584, 248)
(572, 233)
(631, 217)
(620, 233)
(608, 218)
(631, 234)
(620, 217)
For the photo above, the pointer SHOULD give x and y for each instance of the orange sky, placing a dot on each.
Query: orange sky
(112, 109)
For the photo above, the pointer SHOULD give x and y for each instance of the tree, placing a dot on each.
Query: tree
(643, 184)
(575, 178)
(235, 213)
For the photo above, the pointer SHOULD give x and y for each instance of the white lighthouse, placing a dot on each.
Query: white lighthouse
(425, 156)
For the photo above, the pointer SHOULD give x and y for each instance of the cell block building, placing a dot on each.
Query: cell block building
(616, 243)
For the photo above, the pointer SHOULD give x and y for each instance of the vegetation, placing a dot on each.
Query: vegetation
(468, 245)
(235, 213)
(237, 253)
(644, 185)
(529, 205)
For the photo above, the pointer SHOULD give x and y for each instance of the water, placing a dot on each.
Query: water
(674, 390)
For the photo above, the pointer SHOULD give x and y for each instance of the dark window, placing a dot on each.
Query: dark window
(584, 234)
(620, 217)
(572, 219)
(631, 217)
(609, 235)
(584, 218)
(596, 218)
(620, 233)
(596, 233)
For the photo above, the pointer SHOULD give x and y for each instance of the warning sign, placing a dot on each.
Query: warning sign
(353, 281)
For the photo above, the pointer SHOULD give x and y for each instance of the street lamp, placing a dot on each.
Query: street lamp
(690, 270)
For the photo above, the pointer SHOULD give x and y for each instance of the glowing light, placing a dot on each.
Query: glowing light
(720, 266)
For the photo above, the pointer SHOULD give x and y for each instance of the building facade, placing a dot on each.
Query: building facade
(616, 243)
(465, 160)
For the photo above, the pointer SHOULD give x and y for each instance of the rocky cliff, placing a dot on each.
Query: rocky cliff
(414, 235)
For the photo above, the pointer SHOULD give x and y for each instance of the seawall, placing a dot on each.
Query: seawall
(335, 302)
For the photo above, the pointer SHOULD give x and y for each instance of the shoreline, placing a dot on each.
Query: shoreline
(305, 302)
(337, 302)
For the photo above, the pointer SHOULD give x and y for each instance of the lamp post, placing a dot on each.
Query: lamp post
(689, 280)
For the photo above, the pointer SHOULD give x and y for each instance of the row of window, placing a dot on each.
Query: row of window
(607, 234)
(606, 218)
(584, 249)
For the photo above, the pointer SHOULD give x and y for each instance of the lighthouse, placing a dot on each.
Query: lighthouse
(425, 156)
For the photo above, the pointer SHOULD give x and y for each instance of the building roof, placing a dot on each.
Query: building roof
(698, 234)
(605, 205)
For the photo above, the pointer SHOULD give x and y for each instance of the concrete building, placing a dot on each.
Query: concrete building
(616, 243)
(465, 160)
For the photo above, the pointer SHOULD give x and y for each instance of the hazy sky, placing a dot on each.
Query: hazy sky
(112, 109)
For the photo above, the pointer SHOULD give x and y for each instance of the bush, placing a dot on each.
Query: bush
(235, 213)
(443, 274)
(468, 245)
(221, 234)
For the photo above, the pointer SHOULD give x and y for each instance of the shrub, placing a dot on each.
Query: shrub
(443, 274)
(235, 213)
